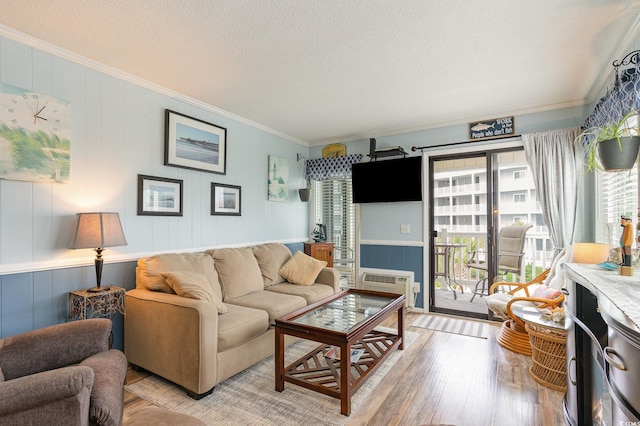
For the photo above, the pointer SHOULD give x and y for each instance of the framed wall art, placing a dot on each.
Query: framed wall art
(226, 200)
(158, 196)
(277, 178)
(194, 144)
(36, 129)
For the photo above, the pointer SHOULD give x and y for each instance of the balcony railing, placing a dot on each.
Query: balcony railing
(538, 252)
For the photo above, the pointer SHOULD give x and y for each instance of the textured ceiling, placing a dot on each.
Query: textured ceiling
(323, 71)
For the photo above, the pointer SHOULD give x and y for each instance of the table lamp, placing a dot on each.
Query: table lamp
(97, 231)
(591, 253)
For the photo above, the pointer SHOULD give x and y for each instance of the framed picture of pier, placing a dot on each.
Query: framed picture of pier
(194, 144)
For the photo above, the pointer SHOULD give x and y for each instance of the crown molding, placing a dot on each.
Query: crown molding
(26, 39)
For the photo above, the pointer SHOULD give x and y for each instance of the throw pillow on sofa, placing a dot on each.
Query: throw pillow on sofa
(271, 257)
(238, 271)
(302, 269)
(195, 286)
(151, 268)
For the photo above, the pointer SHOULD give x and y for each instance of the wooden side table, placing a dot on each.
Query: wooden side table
(84, 304)
(548, 349)
(320, 251)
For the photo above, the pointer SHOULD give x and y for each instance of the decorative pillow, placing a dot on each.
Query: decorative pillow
(150, 269)
(271, 257)
(238, 271)
(302, 269)
(546, 292)
(195, 286)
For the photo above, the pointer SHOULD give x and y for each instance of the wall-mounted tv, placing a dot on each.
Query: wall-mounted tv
(387, 181)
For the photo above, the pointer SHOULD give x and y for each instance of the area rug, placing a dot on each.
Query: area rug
(453, 325)
(249, 397)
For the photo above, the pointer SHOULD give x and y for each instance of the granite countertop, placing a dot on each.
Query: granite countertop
(621, 291)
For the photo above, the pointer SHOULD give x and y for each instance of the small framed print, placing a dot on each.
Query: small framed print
(194, 144)
(225, 200)
(158, 196)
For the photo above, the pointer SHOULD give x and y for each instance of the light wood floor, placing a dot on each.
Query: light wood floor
(447, 379)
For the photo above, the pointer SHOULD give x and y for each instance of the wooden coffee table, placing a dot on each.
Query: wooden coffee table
(342, 323)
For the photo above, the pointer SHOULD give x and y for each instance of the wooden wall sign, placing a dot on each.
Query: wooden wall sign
(493, 128)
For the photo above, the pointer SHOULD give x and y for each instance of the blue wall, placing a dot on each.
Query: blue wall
(34, 300)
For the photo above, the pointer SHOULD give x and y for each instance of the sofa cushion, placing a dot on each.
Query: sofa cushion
(238, 271)
(311, 293)
(276, 304)
(302, 269)
(110, 369)
(240, 325)
(271, 257)
(195, 286)
(154, 266)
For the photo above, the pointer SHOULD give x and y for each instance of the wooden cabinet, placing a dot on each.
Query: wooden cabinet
(320, 251)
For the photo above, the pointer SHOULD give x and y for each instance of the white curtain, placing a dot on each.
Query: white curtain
(557, 166)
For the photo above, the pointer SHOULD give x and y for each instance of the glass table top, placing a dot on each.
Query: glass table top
(534, 315)
(344, 313)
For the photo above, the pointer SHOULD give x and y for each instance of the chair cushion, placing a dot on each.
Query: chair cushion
(302, 269)
(271, 257)
(238, 271)
(497, 303)
(195, 286)
(312, 293)
(110, 369)
(240, 325)
(275, 304)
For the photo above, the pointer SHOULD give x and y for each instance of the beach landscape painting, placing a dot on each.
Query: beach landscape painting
(194, 144)
(159, 196)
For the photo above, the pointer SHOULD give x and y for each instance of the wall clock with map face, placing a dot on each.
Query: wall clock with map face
(35, 136)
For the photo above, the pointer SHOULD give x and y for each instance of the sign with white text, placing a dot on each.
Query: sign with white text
(493, 128)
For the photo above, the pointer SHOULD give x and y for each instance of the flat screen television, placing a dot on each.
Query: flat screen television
(387, 181)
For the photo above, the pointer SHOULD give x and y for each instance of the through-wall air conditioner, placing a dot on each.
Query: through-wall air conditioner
(387, 280)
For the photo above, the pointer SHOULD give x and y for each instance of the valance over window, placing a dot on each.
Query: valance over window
(331, 168)
(622, 98)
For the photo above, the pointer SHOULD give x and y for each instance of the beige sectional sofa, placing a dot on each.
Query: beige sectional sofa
(197, 319)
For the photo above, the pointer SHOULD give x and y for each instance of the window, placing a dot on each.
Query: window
(519, 174)
(616, 195)
(520, 198)
(333, 207)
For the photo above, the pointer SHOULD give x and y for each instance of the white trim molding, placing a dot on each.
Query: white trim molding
(36, 43)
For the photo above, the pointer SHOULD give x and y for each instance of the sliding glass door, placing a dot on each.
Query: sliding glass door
(472, 196)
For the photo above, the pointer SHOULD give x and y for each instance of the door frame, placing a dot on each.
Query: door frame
(439, 151)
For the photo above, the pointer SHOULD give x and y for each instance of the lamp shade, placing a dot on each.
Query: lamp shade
(590, 253)
(97, 230)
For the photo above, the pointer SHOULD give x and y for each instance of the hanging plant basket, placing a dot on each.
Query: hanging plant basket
(618, 154)
(304, 194)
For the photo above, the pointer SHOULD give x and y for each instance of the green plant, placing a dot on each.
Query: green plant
(591, 137)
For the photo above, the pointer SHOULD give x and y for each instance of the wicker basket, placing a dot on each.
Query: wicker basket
(548, 352)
